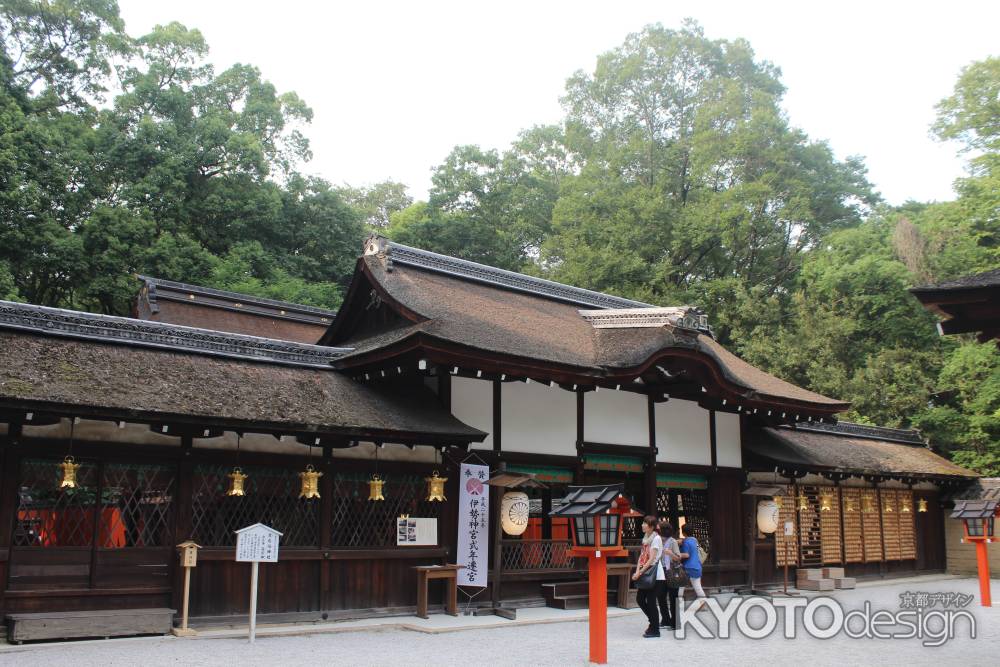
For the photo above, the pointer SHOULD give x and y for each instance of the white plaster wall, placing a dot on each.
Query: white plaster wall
(472, 403)
(616, 418)
(536, 418)
(727, 440)
(682, 433)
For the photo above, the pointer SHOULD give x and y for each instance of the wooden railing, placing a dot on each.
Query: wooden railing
(529, 555)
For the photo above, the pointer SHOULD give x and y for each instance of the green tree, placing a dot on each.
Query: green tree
(377, 203)
(689, 172)
(59, 51)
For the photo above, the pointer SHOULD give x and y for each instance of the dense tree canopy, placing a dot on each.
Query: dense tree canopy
(674, 177)
(187, 173)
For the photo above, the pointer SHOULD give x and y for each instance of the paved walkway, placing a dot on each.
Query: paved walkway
(538, 637)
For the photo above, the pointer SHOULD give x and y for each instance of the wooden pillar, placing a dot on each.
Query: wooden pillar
(840, 516)
(183, 526)
(798, 525)
(578, 473)
(496, 493)
(650, 479)
(712, 438)
(325, 524)
(97, 516)
(9, 477)
(444, 387)
(497, 390)
(546, 511)
(881, 529)
(183, 516)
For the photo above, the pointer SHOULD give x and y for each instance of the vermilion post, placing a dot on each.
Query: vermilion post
(598, 589)
(983, 564)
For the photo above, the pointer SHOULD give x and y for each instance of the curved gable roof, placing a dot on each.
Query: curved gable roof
(448, 300)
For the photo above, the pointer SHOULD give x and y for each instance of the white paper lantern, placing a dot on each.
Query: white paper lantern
(768, 516)
(514, 512)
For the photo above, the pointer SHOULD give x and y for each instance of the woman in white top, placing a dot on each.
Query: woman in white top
(650, 557)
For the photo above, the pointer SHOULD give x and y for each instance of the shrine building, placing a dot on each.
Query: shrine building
(430, 361)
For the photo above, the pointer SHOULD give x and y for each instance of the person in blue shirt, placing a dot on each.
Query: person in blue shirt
(691, 559)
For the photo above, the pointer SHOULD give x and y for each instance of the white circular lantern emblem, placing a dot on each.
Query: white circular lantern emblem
(514, 512)
(767, 516)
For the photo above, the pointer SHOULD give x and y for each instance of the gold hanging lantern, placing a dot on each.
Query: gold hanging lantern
(826, 502)
(435, 487)
(887, 505)
(848, 505)
(310, 482)
(803, 502)
(69, 467)
(867, 506)
(236, 479)
(922, 505)
(779, 501)
(905, 506)
(375, 488)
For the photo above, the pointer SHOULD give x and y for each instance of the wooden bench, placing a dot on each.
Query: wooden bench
(75, 624)
(625, 596)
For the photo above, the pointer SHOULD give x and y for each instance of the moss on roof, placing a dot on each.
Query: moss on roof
(44, 370)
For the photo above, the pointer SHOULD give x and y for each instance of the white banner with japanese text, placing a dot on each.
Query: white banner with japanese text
(473, 525)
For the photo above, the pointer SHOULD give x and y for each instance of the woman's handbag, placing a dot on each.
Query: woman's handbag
(646, 580)
(677, 576)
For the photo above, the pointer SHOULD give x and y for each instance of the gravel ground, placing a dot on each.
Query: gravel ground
(554, 644)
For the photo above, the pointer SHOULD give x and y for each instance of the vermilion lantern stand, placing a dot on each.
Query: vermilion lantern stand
(597, 513)
(979, 518)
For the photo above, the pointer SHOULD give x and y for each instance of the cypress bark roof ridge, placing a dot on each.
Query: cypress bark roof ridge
(160, 288)
(910, 436)
(397, 253)
(146, 333)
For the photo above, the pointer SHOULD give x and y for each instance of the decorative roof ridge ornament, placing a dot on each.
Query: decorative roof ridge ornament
(395, 253)
(146, 333)
(682, 317)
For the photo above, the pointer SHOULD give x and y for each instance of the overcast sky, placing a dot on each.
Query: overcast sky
(394, 86)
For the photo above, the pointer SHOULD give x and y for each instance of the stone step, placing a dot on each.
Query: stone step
(815, 584)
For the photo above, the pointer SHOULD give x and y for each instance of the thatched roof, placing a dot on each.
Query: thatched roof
(220, 310)
(967, 304)
(116, 381)
(848, 448)
(487, 311)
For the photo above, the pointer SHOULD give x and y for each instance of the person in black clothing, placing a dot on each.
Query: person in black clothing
(649, 559)
(666, 595)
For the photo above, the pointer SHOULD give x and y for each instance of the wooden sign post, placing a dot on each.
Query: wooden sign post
(789, 532)
(188, 552)
(256, 544)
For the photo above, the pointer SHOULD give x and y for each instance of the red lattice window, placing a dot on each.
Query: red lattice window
(48, 516)
(137, 508)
